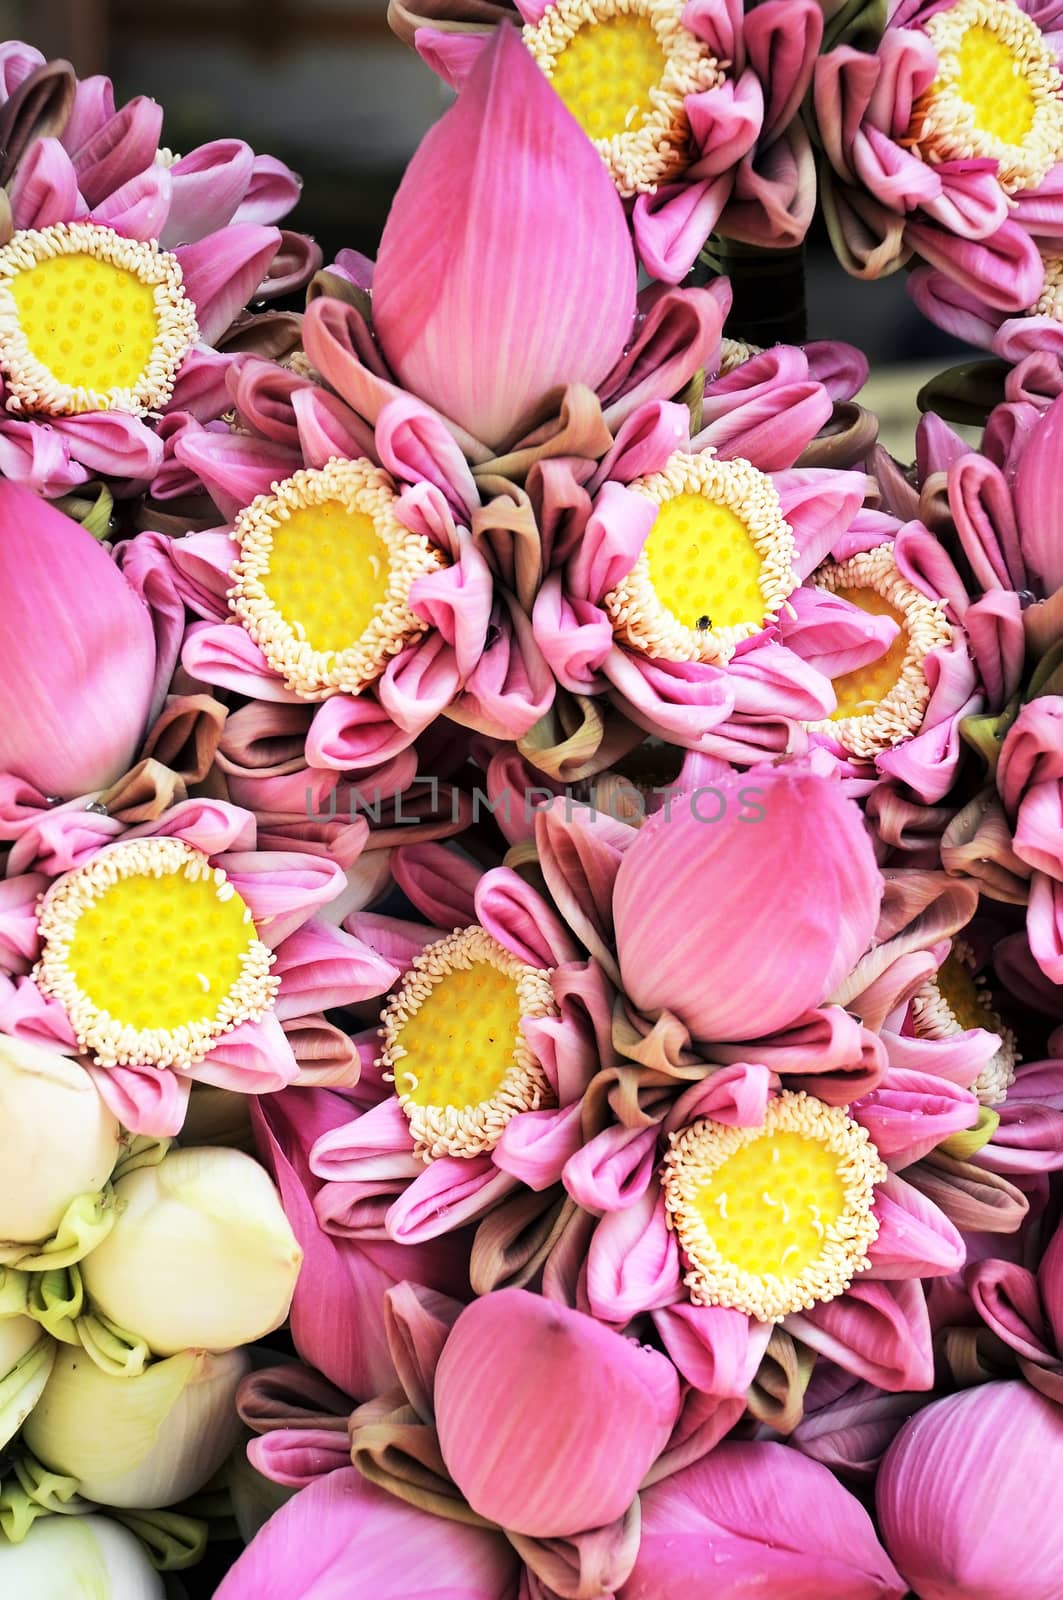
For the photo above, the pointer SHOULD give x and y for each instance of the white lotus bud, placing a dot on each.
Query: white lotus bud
(57, 1139)
(138, 1442)
(201, 1256)
(78, 1558)
(26, 1357)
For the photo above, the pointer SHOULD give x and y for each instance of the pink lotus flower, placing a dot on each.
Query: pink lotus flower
(455, 1120)
(175, 247)
(755, 1517)
(567, 1392)
(697, 129)
(78, 653)
(512, 187)
(342, 1532)
(567, 1418)
(954, 1501)
(903, 689)
(765, 834)
(412, 637)
(173, 951)
(926, 159)
(671, 574)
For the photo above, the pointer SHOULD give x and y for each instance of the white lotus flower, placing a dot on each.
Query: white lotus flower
(138, 1442)
(57, 1139)
(26, 1357)
(78, 1558)
(201, 1256)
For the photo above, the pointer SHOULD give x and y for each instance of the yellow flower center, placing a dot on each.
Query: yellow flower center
(773, 1219)
(861, 690)
(997, 93)
(623, 68)
(90, 321)
(883, 703)
(454, 1045)
(717, 564)
(606, 74)
(152, 953)
(703, 562)
(954, 1001)
(990, 80)
(323, 579)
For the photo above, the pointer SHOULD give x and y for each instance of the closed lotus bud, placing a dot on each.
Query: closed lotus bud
(26, 1356)
(138, 1442)
(78, 1558)
(201, 1255)
(77, 652)
(548, 1421)
(970, 1496)
(728, 949)
(57, 1139)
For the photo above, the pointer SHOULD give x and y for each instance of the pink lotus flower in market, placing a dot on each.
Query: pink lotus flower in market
(670, 576)
(176, 950)
(924, 156)
(904, 681)
(453, 1122)
(532, 310)
(79, 668)
(954, 1495)
(342, 1532)
(695, 122)
(752, 1517)
(412, 638)
(153, 255)
(568, 1419)
(755, 1208)
(729, 867)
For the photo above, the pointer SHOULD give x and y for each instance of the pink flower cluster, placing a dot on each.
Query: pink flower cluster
(583, 814)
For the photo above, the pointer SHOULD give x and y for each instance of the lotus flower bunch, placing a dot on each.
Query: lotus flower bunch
(151, 255)
(530, 878)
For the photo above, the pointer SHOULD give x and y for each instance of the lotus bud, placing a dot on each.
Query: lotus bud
(78, 1558)
(970, 1496)
(758, 1519)
(138, 1442)
(727, 853)
(548, 1421)
(26, 1356)
(57, 1139)
(77, 652)
(201, 1255)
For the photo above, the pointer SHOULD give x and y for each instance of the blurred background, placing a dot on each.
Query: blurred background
(324, 85)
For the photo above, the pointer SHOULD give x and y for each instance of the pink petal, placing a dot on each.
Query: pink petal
(954, 1495)
(342, 1532)
(521, 248)
(879, 1331)
(758, 1516)
(222, 272)
(1038, 501)
(633, 1261)
(208, 186)
(44, 190)
(915, 1239)
(77, 653)
(568, 1416)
